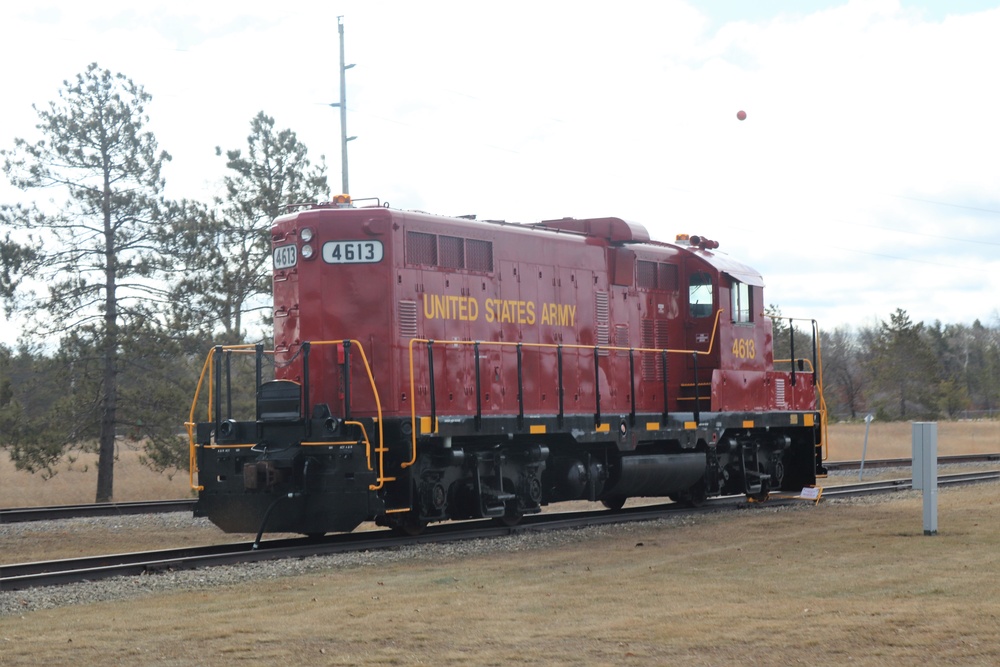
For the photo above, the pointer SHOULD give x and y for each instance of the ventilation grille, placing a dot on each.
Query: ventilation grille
(451, 252)
(654, 335)
(408, 319)
(645, 274)
(603, 323)
(622, 339)
(479, 255)
(421, 248)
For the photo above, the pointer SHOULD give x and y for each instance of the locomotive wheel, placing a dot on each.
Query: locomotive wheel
(762, 495)
(511, 514)
(509, 519)
(409, 525)
(693, 497)
(765, 490)
(614, 503)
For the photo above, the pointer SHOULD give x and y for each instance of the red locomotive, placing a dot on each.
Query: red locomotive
(430, 368)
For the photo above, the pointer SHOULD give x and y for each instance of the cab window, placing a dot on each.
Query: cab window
(700, 295)
(741, 307)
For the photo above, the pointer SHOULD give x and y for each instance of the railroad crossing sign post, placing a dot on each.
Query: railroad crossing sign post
(925, 471)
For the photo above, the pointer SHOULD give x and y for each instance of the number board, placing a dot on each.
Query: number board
(352, 252)
(284, 257)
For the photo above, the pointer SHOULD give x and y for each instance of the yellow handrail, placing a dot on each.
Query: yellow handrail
(610, 348)
(820, 396)
(823, 418)
(382, 479)
(190, 423)
(334, 443)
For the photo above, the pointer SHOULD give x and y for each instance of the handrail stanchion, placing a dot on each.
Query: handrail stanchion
(479, 389)
(559, 377)
(631, 382)
(217, 372)
(520, 387)
(229, 384)
(597, 384)
(791, 342)
(815, 341)
(430, 375)
(697, 390)
(663, 368)
(305, 387)
(258, 351)
(347, 379)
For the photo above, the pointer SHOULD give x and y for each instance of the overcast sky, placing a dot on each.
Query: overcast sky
(865, 178)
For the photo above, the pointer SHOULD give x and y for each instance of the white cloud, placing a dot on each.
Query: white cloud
(863, 179)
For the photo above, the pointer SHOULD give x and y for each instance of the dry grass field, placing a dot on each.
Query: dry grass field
(834, 584)
(838, 583)
(76, 482)
(891, 440)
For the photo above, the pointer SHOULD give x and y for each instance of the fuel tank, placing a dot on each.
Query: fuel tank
(656, 474)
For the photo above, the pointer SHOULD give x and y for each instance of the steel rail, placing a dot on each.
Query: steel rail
(48, 513)
(47, 573)
(957, 459)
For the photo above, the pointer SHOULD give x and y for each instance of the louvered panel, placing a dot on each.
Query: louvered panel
(654, 336)
(621, 339)
(602, 326)
(650, 365)
(408, 319)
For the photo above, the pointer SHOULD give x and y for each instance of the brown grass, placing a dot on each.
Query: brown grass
(831, 584)
(891, 440)
(76, 482)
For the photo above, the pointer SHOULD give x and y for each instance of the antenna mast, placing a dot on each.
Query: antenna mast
(343, 109)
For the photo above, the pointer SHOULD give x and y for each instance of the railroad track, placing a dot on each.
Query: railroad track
(19, 514)
(47, 573)
(48, 513)
(906, 463)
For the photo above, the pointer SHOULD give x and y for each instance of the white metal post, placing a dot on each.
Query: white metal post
(925, 471)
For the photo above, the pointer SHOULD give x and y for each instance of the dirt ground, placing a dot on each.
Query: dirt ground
(833, 584)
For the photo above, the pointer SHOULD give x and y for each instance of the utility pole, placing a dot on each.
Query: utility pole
(343, 109)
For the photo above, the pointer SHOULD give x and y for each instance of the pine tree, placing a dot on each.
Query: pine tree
(227, 255)
(94, 260)
(905, 367)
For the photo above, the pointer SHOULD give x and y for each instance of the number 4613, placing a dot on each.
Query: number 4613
(744, 348)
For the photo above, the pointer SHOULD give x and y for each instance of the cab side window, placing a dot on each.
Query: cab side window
(741, 307)
(700, 295)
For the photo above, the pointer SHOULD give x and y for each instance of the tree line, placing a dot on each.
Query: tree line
(117, 289)
(120, 291)
(899, 369)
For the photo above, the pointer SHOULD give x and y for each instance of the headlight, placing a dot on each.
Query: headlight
(306, 235)
(307, 251)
